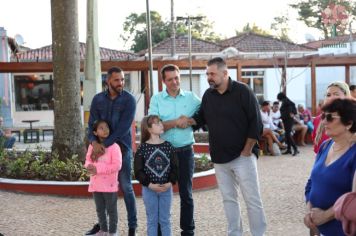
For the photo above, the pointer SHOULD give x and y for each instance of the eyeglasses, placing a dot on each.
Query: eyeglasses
(329, 117)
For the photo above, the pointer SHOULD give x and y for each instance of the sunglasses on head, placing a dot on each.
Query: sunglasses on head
(328, 116)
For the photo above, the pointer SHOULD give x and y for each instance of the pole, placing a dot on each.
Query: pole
(190, 53)
(149, 41)
(173, 30)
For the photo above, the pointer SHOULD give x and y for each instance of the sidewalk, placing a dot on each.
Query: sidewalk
(282, 182)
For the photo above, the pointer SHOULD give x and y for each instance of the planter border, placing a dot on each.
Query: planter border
(201, 180)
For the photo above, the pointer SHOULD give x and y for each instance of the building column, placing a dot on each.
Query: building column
(5, 82)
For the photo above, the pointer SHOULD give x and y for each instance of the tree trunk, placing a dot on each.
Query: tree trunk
(68, 132)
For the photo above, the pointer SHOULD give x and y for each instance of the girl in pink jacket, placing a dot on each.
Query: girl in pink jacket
(103, 172)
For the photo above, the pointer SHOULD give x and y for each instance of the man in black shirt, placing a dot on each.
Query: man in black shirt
(231, 112)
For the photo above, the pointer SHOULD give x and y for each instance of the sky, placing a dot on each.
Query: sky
(32, 19)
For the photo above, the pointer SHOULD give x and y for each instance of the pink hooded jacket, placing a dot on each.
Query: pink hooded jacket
(107, 168)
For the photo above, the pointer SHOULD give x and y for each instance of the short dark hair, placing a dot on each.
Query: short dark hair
(265, 103)
(114, 69)
(219, 61)
(168, 67)
(346, 108)
(276, 103)
(352, 87)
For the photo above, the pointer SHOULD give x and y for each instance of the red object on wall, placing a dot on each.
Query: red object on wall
(30, 85)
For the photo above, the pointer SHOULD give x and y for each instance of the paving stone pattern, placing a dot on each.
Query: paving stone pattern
(282, 185)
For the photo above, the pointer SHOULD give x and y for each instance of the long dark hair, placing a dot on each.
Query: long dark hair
(146, 123)
(95, 127)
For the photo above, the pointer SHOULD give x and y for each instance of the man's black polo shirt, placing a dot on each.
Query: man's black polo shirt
(232, 117)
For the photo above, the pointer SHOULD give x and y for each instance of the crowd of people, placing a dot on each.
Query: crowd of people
(236, 122)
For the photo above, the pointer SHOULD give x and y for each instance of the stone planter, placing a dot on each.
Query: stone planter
(201, 180)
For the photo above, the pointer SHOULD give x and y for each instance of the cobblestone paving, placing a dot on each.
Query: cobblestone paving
(282, 185)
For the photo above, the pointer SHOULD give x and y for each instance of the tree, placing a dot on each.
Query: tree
(68, 130)
(280, 25)
(310, 12)
(254, 28)
(135, 30)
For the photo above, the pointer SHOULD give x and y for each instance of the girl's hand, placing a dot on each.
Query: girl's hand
(91, 169)
(166, 186)
(156, 187)
(98, 150)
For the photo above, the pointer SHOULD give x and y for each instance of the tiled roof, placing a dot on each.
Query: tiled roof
(45, 54)
(330, 41)
(251, 42)
(182, 46)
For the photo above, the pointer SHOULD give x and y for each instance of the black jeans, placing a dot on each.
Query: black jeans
(106, 204)
(185, 158)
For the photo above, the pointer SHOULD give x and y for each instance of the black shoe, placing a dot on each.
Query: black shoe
(132, 231)
(94, 230)
(295, 152)
(287, 152)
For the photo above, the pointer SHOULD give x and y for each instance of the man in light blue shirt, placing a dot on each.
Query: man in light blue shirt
(174, 106)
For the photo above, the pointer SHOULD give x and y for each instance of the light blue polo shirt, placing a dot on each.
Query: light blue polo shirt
(170, 108)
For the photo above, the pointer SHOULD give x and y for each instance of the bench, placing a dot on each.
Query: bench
(47, 131)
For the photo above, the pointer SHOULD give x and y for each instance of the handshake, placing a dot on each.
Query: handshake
(184, 122)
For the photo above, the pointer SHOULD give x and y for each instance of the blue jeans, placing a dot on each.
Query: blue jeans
(126, 188)
(9, 142)
(185, 182)
(106, 205)
(158, 210)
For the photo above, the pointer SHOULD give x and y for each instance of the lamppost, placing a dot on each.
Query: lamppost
(188, 21)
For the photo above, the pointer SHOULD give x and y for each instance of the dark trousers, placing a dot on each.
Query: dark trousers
(106, 203)
(185, 158)
(288, 125)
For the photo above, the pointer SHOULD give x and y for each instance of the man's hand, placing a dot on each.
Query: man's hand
(182, 122)
(91, 169)
(98, 150)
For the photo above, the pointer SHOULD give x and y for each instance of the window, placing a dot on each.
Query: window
(33, 92)
(185, 83)
(254, 79)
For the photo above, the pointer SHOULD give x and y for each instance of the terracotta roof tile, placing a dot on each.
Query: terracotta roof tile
(45, 54)
(182, 46)
(251, 42)
(330, 41)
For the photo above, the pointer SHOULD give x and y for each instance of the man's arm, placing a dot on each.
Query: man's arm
(126, 118)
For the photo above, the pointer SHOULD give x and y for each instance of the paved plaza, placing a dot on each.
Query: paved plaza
(282, 181)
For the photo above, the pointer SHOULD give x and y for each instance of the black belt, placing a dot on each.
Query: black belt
(184, 148)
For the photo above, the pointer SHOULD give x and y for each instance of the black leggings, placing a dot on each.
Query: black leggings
(288, 125)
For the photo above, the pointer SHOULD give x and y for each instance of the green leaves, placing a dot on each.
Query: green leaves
(41, 165)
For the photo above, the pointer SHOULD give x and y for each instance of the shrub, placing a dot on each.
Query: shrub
(41, 165)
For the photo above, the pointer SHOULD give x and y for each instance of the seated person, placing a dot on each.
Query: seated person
(276, 115)
(306, 117)
(300, 127)
(7, 140)
(269, 127)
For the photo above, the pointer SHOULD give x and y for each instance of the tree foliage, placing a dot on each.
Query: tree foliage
(254, 28)
(135, 31)
(281, 26)
(309, 12)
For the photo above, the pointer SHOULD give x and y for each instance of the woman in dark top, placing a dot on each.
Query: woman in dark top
(288, 111)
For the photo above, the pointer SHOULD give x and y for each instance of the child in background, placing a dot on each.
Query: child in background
(104, 179)
(155, 166)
